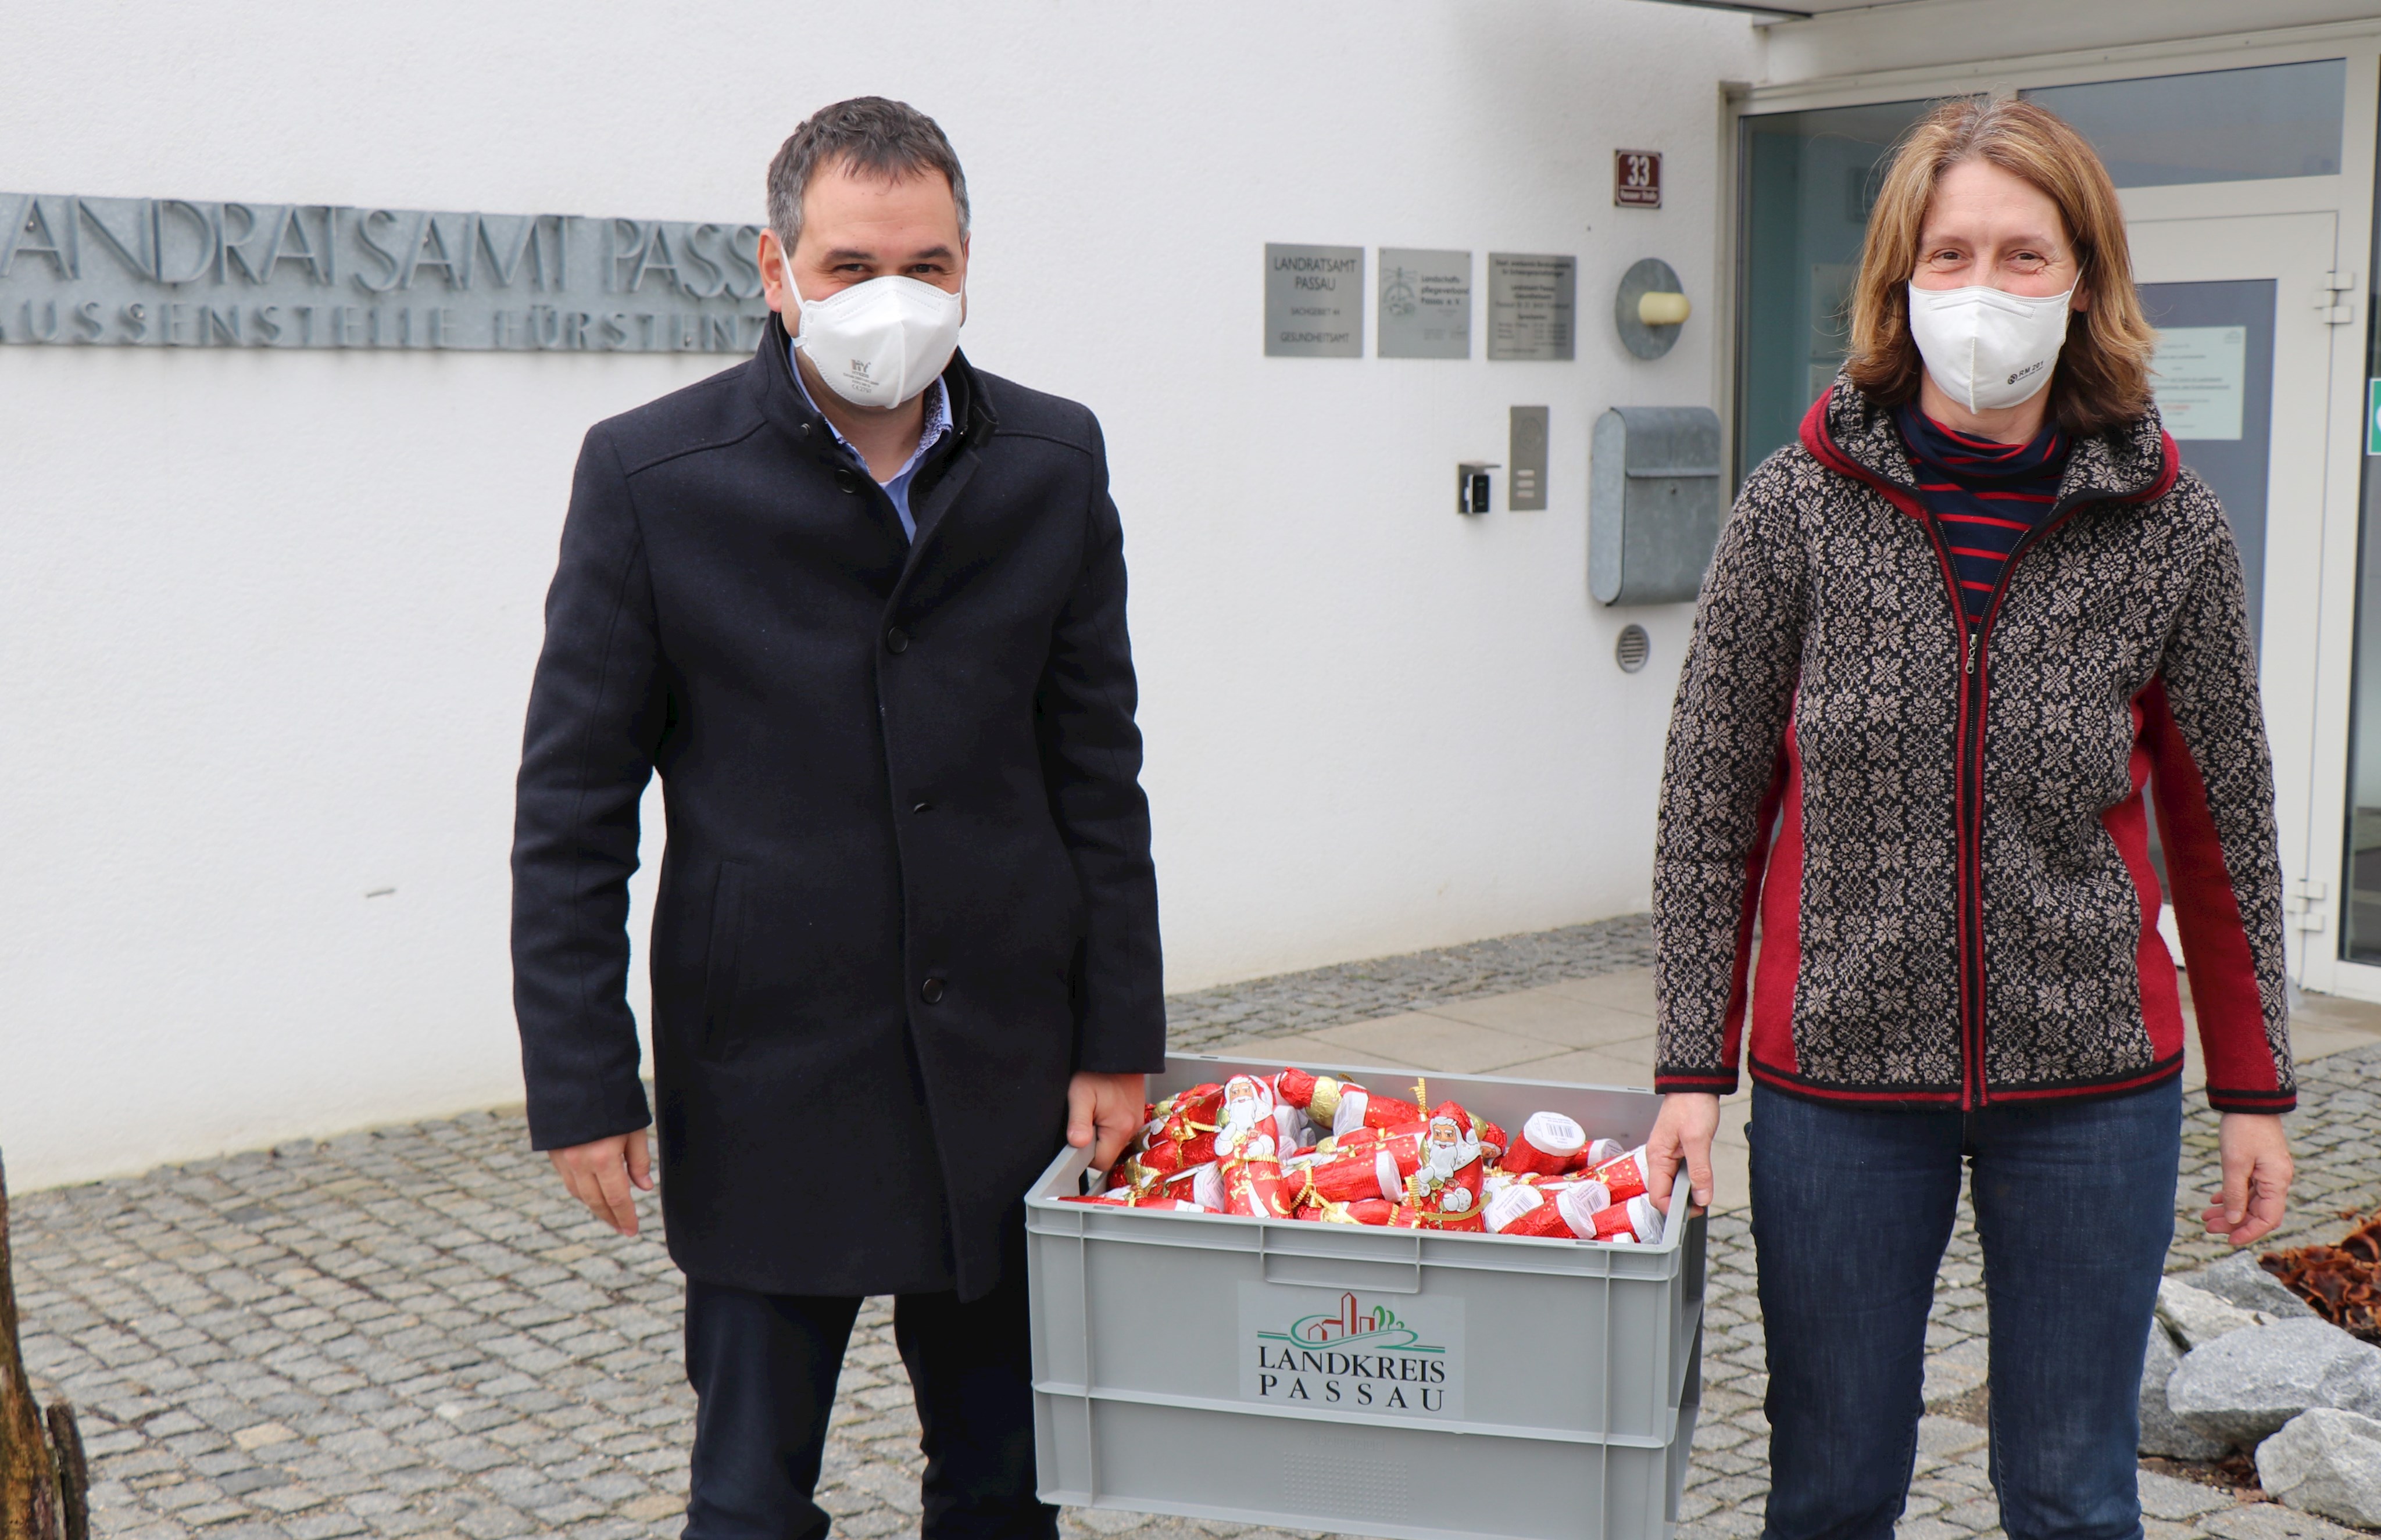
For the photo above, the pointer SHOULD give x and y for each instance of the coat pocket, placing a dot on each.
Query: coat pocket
(722, 960)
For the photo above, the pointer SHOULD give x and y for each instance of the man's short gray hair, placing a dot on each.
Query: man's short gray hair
(874, 137)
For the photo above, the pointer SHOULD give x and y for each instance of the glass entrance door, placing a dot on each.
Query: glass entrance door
(2216, 391)
(2245, 382)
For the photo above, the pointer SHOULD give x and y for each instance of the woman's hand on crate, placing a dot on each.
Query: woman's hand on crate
(1683, 1135)
(1106, 1106)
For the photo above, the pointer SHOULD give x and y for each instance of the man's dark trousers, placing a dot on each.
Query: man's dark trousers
(765, 1368)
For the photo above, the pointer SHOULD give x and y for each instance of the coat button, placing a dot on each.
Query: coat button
(931, 992)
(896, 641)
(923, 807)
(846, 480)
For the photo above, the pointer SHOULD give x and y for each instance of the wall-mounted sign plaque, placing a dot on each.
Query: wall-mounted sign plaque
(1314, 301)
(172, 272)
(1531, 306)
(1637, 179)
(1425, 309)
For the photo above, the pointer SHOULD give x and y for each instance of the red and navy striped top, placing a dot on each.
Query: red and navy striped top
(1986, 496)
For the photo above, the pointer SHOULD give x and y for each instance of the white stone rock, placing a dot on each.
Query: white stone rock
(2197, 1318)
(2248, 1383)
(2240, 1280)
(2162, 1433)
(2326, 1462)
(2175, 1500)
(2270, 1520)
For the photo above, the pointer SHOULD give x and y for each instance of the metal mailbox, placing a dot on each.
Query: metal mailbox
(1654, 504)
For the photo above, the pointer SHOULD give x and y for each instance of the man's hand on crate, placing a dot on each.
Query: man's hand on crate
(1108, 1107)
(1682, 1135)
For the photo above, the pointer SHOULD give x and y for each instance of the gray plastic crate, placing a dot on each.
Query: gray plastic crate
(1542, 1390)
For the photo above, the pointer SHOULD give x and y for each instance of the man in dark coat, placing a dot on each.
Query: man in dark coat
(863, 607)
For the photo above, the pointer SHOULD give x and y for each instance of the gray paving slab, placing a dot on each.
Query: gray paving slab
(411, 1331)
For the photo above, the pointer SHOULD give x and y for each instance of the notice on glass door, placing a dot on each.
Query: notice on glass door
(2201, 375)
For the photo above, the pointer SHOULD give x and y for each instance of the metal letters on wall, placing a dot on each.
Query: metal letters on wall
(173, 272)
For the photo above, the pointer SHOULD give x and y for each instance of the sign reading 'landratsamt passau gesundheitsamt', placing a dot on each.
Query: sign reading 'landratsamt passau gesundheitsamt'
(175, 272)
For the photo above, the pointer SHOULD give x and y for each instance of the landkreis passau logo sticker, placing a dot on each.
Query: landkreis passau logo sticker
(1351, 1350)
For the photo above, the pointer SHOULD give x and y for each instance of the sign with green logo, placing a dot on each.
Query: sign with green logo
(2373, 417)
(1345, 1351)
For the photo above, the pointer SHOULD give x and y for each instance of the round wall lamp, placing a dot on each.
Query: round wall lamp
(1650, 308)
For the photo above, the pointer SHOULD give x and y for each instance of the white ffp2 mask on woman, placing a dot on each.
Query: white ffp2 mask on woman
(1987, 349)
(879, 343)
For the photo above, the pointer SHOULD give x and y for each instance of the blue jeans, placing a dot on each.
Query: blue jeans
(1851, 1209)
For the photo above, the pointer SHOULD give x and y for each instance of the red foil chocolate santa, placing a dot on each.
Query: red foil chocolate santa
(1443, 1192)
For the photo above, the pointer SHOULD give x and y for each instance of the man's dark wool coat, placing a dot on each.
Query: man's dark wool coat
(906, 890)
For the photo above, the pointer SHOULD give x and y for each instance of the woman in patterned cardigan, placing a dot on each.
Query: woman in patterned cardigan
(1949, 641)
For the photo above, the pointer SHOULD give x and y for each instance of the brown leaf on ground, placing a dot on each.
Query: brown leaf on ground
(2342, 1282)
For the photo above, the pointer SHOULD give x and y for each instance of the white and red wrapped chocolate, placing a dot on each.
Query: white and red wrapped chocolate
(1165, 1156)
(1625, 1175)
(1180, 1131)
(1254, 1187)
(1373, 1169)
(1200, 1183)
(1195, 1105)
(1631, 1220)
(1445, 1209)
(1297, 1087)
(1257, 1146)
(1524, 1211)
(1367, 1211)
(1292, 1129)
(1550, 1143)
(1582, 1211)
(1342, 1105)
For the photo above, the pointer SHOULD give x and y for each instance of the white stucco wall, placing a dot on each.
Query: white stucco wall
(267, 621)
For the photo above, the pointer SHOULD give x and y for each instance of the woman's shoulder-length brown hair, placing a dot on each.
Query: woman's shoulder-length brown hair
(2103, 376)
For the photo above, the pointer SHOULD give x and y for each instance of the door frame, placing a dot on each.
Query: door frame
(2314, 843)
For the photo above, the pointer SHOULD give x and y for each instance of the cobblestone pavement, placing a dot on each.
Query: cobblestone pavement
(412, 1331)
(1298, 1002)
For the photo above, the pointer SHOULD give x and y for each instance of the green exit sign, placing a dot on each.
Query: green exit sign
(2373, 417)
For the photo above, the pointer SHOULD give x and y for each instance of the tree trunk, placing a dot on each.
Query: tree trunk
(29, 1471)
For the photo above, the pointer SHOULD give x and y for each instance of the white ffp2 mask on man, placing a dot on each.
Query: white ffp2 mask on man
(1987, 349)
(881, 342)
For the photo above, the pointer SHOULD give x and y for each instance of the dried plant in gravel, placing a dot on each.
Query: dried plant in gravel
(2342, 1281)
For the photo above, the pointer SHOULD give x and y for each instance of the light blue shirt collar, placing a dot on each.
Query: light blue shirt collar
(938, 423)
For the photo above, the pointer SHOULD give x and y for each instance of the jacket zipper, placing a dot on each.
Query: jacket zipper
(1969, 792)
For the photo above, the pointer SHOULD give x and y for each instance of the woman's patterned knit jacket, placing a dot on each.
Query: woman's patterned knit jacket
(1943, 834)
